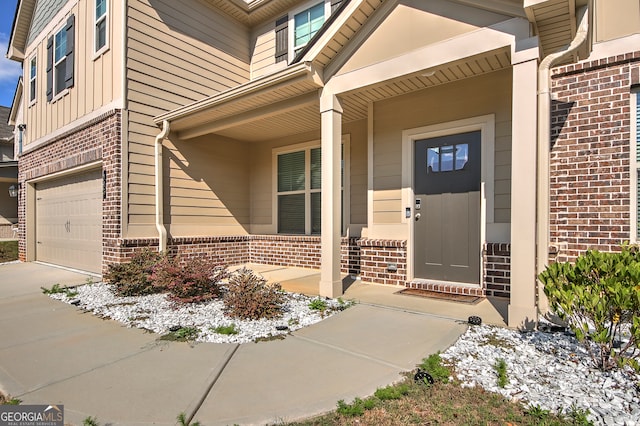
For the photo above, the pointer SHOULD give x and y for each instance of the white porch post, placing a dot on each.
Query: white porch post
(331, 140)
(522, 307)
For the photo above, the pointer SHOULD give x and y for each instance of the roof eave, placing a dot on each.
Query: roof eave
(15, 104)
(18, 39)
(291, 73)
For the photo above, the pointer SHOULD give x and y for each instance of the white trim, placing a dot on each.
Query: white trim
(116, 104)
(291, 35)
(346, 184)
(615, 47)
(31, 102)
(106, 17)
(633, 175)
(486, 125)
(370, 188)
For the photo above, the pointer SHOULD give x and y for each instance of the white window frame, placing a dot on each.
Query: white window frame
(635, 169)
(96, 21)
(307, 147)
(33, 92)
(292, 24)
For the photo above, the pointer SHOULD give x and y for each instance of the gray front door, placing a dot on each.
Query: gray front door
(447, 178)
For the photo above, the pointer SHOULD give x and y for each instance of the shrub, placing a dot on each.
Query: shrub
(318, 304)
(249, 297)
(501, 371)
(599, 297)
(195, 281)
(392, 392)
(132, 278)
(433, 366)
(356, 408)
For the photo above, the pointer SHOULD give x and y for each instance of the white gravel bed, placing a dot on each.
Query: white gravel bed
(549, 370)
(156, 313)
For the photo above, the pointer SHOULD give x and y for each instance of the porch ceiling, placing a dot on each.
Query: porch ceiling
(301, 114)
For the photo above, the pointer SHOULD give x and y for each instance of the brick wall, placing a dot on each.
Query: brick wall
(376, 255)
(497, 269)
(96, 140)
(590, 194)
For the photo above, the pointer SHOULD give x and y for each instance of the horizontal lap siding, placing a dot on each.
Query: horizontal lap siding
(178, 53)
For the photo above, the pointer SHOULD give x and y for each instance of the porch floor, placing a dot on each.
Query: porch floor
(492, 310)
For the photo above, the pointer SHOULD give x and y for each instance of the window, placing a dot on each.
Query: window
(299, 184)
(100, 25)
(447, 158)
(60, 60)
(306, 24)
(32, 79)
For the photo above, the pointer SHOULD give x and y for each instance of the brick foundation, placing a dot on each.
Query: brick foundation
(497, 269)
(375, 258)
(590, 191)
(279, 250)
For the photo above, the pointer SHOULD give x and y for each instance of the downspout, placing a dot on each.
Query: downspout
(544, 140)
(162, 230)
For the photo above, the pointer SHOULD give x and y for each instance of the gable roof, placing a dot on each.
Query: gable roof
(6, 131)
(20, 29)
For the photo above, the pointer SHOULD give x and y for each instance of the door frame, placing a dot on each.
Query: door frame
(486, 125)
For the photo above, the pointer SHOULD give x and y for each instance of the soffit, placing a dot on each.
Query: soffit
(20, 29)
(554, 22)
(253, 12)
(356, 103)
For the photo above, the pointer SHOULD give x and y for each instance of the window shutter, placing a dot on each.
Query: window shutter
(282, 42)
(70, 50)
(335, 4)
(50, 68)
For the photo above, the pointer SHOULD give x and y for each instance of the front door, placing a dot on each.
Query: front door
(447, 179)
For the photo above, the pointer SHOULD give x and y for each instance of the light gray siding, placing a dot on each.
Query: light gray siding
(44, 12)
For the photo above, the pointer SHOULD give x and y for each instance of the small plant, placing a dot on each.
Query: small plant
(195, 281)
(579, 416)
(58, 289)
(538, 412)
(392, 392)
(8, 400)
(249, 297)
(501, 370)
(433, 365)
(599, 296)
(90, 421)
(183, 334)
(356, 408)
(133, 278)
(225, 329)
(318, 304)
(182, 420)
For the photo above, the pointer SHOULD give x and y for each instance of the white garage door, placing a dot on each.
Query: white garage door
(69, 221)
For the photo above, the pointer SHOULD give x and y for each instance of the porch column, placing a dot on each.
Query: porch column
(331, 141)
(522, 306)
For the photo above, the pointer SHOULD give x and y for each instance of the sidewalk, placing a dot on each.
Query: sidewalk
(53, 353)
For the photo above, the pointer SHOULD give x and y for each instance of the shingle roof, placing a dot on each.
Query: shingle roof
(6, 131)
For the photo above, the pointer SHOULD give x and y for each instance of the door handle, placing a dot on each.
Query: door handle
(417, 216)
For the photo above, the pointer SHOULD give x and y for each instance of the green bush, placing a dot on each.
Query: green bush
(195, 281)
(392, 392)
(433, 365)
(133, 278)
(356, 408)
(249, 297)
(599, 297)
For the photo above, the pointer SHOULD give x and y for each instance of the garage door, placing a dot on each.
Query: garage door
(69, 221)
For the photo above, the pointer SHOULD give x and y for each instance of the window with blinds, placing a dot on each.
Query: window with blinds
(299, 185)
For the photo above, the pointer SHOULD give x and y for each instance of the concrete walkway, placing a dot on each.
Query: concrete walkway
(53, 353)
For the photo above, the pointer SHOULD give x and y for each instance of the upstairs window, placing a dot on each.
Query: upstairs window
(100, 26)
(33, 69)
(306, 25)
(60, 65)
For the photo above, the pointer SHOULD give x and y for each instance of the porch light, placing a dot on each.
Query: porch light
(13, 191)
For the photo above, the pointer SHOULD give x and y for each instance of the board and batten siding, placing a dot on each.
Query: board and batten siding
(177, 53)
(478, 96)
(97, 80)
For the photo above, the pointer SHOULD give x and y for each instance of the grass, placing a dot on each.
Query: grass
(8, 251)
(8, 400)
(411, 403)
(183, 334)
(225, 329)
(57, 289)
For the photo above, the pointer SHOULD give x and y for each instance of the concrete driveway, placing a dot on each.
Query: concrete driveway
(54, 353)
